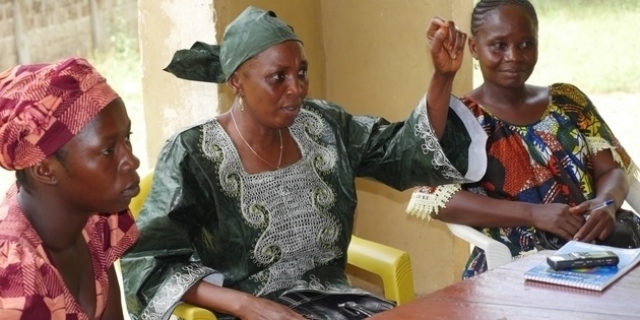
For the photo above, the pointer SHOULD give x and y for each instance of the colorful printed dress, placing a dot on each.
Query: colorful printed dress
(30, 285)
(548, 161)
(207, 219)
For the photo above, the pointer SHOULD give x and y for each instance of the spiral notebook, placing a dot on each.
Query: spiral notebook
(597, 278)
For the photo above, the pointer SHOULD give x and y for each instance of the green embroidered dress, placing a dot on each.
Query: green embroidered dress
(207, 219)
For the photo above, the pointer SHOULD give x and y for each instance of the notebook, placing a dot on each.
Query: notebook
(596, 278)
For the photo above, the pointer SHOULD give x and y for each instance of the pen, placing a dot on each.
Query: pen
(606, 203)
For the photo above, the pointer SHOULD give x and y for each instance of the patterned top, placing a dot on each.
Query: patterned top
(549, 161)
(30, 285)
(274, 231)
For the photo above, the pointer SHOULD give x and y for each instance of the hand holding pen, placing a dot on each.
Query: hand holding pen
(597, 228)
(604, 204)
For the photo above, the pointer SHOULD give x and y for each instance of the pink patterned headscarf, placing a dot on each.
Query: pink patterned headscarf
(43, 106)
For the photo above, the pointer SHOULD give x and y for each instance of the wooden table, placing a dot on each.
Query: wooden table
(502, 293)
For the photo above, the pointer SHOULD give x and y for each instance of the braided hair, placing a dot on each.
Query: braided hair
(485, 6)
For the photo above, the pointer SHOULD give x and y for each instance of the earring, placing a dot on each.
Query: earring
(475, 64)
(241, 104)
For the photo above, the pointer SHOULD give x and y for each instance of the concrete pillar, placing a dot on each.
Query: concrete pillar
(170, 103)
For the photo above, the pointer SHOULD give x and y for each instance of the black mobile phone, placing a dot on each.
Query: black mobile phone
(582, 260)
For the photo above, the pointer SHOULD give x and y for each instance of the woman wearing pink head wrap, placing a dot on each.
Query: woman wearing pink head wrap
(62, 225)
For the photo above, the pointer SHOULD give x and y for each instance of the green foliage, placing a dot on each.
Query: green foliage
(122, 43)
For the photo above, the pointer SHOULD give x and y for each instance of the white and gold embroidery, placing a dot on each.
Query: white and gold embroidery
(430, 200)
(431, 145)
(289, 206)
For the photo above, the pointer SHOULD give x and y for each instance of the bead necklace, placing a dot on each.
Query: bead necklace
(250, 148)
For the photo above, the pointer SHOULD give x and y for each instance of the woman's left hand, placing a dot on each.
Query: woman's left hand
(600, 223)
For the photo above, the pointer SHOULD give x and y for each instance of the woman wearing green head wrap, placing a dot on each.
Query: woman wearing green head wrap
(259, 202)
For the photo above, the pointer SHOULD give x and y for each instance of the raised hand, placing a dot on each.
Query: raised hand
(600, 223)
(446, 43)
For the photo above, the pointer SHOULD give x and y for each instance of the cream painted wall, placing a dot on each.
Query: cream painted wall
(370, 56)
(377, 62)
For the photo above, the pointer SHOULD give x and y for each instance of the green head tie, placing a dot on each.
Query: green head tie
(252, 32)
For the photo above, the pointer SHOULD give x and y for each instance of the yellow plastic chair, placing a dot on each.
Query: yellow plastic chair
(393, 266)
